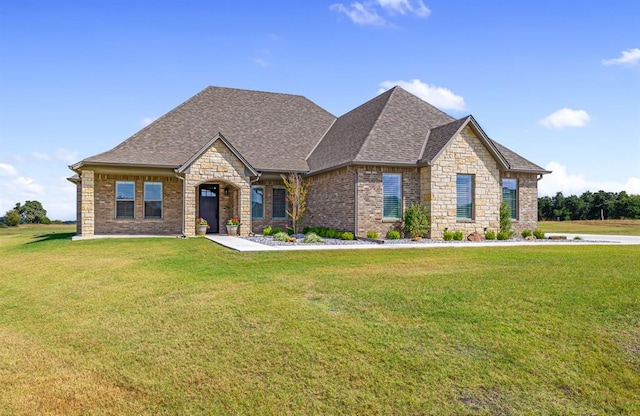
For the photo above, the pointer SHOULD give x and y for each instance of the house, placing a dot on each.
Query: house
(220, 154)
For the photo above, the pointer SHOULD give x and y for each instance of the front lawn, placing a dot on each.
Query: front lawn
(615, 227)
(173, 326)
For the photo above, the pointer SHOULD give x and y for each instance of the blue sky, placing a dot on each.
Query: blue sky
(556, 81)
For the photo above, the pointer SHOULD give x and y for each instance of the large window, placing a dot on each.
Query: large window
(125, 199)
(257, 202)
(464, 193)
(510, 195)
(153, 200)
(279, 203)
(391, 196)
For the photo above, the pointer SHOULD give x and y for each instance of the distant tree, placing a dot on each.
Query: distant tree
(545, 209)
(32, 212)
(12, 218)
(575, 207)
(559, 210)
(589, 206)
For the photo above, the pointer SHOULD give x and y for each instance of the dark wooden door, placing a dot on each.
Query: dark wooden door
(209, 206)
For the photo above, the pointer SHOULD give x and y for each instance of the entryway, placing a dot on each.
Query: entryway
(209, 206)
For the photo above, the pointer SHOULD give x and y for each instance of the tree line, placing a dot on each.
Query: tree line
(589, 206)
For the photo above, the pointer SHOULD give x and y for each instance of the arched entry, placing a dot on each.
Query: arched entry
(209, 205)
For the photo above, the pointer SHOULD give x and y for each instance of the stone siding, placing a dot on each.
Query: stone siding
(527, 218)
(464, 155)
(219, 165)
(331, 200)
(370, 197)
(105, 206)
(87, 207)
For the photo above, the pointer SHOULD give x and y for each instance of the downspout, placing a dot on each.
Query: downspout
(251, 182)
(184, 203)
(355, 199)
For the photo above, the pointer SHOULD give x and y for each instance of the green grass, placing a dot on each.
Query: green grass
(615, 227)
(172, 326)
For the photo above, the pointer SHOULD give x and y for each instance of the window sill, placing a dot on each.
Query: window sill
(390, 220)
(465, 221)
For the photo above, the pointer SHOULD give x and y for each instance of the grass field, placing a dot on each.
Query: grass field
(172, 326)
(615, 227)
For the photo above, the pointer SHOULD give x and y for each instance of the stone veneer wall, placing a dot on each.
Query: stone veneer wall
(79, 208)
(464, 155)
(87, 207)
(370, 197)
(527, 218)
(331, 200)
(259, 224)
(218, 165)
(105, 206)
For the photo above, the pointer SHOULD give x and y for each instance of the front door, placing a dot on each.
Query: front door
(209, 207)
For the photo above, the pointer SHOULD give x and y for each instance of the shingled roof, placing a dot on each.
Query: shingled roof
(283, 132)
(272, 131)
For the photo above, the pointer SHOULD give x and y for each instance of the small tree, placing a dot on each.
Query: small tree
(12, 218)
(297, 189)
(32, 212)
(416, 220)
(506, 227)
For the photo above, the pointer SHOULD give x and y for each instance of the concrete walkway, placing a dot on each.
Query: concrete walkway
(241, 244)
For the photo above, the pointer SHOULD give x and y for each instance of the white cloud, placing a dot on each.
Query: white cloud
(577, 184)
(367, 12)
(440, 97)
(57, 195)
(417, 8)
(7, 170)
(145, 121)
(628, 57)
(58, 155)
(360, 13)
(566, 117)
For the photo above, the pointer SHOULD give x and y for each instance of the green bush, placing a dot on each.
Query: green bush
(347, 235)
(505, 221)
(312, 238)
(12, 218)
(393, 235)
(526, 233)
(268, 230)
(458, 236)
(538, 233)
(503, 235)
(490, 235)
(447, 235)
(577, 237)
(372, 234)
(281, 236)
(416, 220)
(276, 230)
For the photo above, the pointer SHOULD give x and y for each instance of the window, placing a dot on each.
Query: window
(153, 200)
(257, 202)
(125, 199)
(464, 192)
(391, 196)
(510, 195)
(279, 203)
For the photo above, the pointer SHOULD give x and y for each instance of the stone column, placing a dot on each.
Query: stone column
(190, 209)
(87, 206)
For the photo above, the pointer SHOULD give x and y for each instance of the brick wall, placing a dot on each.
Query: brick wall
(105, 206)
(527, 218)
(370, 197)
(331, 200)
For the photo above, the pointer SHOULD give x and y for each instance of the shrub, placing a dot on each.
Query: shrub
(503, 235)
(526, 233)
(276, 230)
(393, 235)
(416, 220)
(447, 235)
(281, 236)
(490, 235)
(347, 235)
(538, 233)
(505, 221)
(372, 234)
(577, 237)
(458, 236)
(312, 238)
(12, 218)
(268, 230)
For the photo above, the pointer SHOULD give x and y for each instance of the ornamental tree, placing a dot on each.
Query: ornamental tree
(297, 189)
